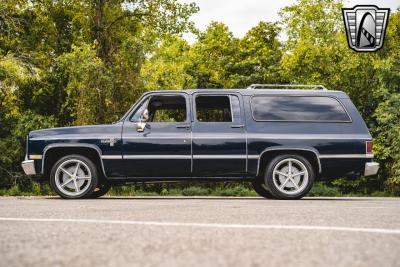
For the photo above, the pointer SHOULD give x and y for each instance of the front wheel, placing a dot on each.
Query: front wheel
(74, 176)
(289, 176)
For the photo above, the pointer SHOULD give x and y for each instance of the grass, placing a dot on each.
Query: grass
(35, 190)
(242, 189)
(181, 190)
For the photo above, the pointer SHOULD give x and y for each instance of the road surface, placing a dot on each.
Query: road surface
(199, 232)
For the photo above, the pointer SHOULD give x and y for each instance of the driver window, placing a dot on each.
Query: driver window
(170, 108)
(167, 109)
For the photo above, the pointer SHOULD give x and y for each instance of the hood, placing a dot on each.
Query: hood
(66, 132)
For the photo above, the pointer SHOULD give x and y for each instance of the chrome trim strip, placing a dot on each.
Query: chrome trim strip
(247, 147)
(290, 148)
(309, 136)
(191, 151)
(62, 138)
(219, 156)
(184, 157)
(111, 157)
(61, 145)
(250, 136)
(346, 156)
(157, 156)
(253, 156)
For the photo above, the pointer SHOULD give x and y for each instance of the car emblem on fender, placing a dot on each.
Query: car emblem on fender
(365, 26)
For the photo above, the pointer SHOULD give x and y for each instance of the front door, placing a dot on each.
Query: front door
(163, 149)
(219, 141)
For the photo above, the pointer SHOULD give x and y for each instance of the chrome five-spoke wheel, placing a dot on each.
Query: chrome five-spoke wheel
(73, 177)
(289, 176)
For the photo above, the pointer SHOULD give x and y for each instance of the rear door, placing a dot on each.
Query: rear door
(218, 140)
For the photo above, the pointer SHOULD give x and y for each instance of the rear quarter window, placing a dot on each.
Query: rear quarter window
(298, 108)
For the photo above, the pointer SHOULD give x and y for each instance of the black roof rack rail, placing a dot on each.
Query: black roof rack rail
(287, 86)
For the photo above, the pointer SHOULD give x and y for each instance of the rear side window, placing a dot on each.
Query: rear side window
(220, 108)
(298, 108)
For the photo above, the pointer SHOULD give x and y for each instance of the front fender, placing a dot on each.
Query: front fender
(69, 145)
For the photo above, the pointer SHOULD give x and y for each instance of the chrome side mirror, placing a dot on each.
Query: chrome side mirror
(140, 126)
(142, 121)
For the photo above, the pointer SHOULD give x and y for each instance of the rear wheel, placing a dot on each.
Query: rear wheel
(289, 176)
(74, 176)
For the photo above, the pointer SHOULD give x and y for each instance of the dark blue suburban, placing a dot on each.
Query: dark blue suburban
(281, 140)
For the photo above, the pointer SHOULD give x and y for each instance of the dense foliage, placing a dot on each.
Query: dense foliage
(66, 62)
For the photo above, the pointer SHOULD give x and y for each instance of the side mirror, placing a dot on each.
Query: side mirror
(142, 121)
(140, 126)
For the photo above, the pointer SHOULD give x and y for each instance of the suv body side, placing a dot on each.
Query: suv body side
(194, 149)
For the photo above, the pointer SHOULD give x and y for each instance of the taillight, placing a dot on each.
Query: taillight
(368, 147)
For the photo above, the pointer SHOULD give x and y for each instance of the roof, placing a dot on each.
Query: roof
(335, 93)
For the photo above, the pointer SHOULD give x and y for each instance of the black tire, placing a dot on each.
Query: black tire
(272, 187)
(101, 189)
(261, 189)
(89, 185)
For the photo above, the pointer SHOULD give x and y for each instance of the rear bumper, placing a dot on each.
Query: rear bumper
(371, 168)
(29, 167)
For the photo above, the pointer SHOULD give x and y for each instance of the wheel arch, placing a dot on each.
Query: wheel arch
(267, 154)
(89, 150)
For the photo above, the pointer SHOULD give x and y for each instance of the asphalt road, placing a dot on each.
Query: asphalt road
(199, 232)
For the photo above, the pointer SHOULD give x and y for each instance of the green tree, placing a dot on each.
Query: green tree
(168, 67)
(213, 57)
(260, 53)
(75, 62)
(317, 52)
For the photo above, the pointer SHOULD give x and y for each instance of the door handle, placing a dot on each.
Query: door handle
(237, 126)
(183, 126)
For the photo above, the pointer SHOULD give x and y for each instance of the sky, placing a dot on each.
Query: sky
(241, 15)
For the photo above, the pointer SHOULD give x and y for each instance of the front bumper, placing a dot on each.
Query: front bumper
(371, 168)
(29, 167)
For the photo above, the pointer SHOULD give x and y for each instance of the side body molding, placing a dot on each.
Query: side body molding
(82, 145)
(283, 148)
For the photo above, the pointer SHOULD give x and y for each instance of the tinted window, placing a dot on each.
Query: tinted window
(298, 108)
(217, 108)
(167, 109)
(163, 109)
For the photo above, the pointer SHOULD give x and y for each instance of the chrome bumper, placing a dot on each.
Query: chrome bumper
(29, 167)
(371, 168)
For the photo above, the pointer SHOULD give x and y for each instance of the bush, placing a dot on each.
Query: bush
(393, 186)
(195, 191)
